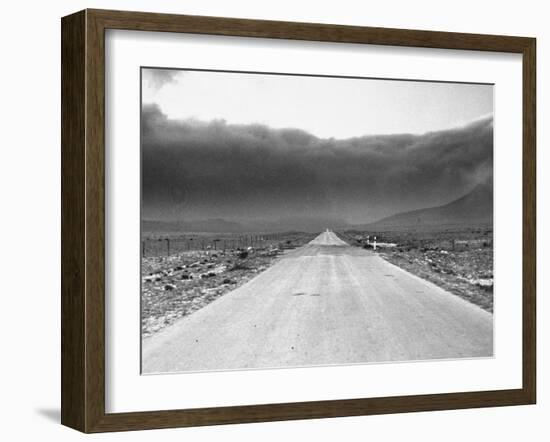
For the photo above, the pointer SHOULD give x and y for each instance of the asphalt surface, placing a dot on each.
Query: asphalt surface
(324, 303)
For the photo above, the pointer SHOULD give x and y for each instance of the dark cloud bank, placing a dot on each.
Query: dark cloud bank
(253, 174)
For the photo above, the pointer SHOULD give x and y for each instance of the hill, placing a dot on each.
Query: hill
(476, 207)
(207, 225)
(218, 225)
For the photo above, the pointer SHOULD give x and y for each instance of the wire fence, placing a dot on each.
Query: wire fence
(168, 246)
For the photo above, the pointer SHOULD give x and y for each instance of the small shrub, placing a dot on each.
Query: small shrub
(239, 265)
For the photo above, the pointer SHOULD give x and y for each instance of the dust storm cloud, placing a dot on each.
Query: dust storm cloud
(194, 170)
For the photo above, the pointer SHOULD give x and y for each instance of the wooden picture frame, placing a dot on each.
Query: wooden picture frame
(83, 220)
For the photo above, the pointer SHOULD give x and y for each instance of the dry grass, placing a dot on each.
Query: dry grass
(177, 285)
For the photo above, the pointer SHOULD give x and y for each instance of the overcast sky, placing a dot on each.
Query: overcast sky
(325, 107)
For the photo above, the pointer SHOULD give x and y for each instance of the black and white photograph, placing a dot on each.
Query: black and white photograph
(306, 220)
(273, 221)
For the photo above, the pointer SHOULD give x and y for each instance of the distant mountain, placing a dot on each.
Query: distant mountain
(299, 224)
(223, 226)
(207, 225)
(476, 207)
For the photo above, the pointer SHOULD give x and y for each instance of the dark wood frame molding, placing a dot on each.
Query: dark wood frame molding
(83, 217)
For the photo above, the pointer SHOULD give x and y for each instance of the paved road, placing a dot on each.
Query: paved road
(324, 303)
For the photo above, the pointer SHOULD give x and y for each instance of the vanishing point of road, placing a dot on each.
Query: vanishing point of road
(324, 303)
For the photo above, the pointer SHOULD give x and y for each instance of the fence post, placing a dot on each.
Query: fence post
(143, 249)
(167, 246)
